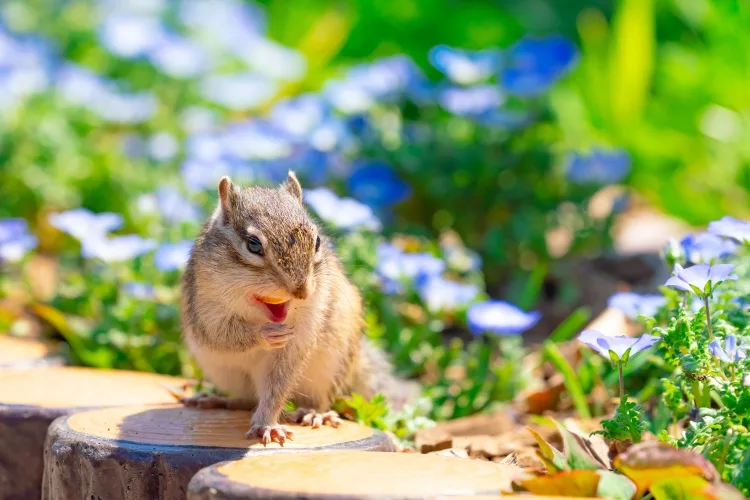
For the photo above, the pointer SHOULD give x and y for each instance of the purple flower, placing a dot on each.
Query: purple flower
(622, 346)
(440, 294)
(731, 352)
(15, 241)
(535, 64)
(117, 248)
(255, 140)
(344, 213)
(200, 175)
(465, 67)
(130, 35)
(163, 146)
(502, 318)
(171, 205)
(139, 290)
(706, 247)
(598, 167)
(730, 227)
(396, 267)
(83, 224)
(634, 305)
(376, 184)
(179, 57)
(173, 256)
(298, 117)
(240, 91)
(701, 278)
(471, 101)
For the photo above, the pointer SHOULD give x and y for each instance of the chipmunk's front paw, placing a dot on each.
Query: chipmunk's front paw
(314, 419)
(205, 400)
(270, 433)
(276, 335)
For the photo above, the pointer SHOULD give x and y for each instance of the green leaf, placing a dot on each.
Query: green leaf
(553, 354)
(616, 486)
(614, 357)
(571, 325)
(679, 488)
(625, 357)
(575, 452)
(551, 456)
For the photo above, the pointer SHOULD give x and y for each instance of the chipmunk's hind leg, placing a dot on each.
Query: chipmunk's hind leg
(313, 418)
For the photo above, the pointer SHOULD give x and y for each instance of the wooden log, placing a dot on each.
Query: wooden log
(27, 353)
(141, 452)
(351, 475)
(30, 399)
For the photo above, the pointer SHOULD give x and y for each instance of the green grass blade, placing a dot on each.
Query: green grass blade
(553, 354)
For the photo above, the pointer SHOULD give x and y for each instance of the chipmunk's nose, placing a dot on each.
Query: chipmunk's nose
(303, 290)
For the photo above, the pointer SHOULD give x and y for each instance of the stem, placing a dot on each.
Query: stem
(622, 381)
(724, 452)
(684, 300)
(708, 318)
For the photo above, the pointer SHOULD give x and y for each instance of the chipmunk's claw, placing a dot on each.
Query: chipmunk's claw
(314, 419)
(206, 401)
(270, 433)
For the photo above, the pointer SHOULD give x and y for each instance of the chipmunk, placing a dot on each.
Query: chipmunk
(269, 314)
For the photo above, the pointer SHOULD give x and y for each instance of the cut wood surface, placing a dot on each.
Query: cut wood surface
(30, 399)
(27, 353)
(152, 452)
(351, 475)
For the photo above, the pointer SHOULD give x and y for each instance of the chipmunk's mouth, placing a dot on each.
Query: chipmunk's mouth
(277, 308)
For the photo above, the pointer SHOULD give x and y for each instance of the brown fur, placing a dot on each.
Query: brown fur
(324, 352)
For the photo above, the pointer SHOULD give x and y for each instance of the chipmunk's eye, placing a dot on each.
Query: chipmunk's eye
(254, 245)
(317, 243)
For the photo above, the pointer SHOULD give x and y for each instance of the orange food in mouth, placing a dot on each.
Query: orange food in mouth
(277, 308)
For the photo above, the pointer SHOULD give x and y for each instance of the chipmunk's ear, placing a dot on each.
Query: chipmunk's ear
(292, 185)
(226, 194)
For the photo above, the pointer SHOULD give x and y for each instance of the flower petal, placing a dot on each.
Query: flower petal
(722, 272)
(696, 276)
(644, 342)
(717, 351)
(678, 283)
(591, 338)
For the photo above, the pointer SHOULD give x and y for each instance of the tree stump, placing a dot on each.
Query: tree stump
(27, 353)
(351, 475)
(30, 399)
(152, 452)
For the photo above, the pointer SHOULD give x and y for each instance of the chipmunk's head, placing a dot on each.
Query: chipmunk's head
(275, 243)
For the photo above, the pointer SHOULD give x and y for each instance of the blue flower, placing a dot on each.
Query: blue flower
(232, 24)
(509, 119)
(124, 108)
(239, 91)
(622, 346)
(471, 101)
(163, 146)
(196, 119)
(465, 67)
(706, 247)
(344, 213)
(139, 290)
(200, 175)
(171, 205)
(117, 248)
(179, 57)
(299, 116)
(396, 267)
(502, 318)
(173, 256)
(730, 227)
(83, 224)
(377, 185)
(255, 140)
(364, 85)
(129, 35)
(701, 278)
(598, 167)
(731, 352)
(440, 294)
(634, 305)
(535, 64)
(15, 241)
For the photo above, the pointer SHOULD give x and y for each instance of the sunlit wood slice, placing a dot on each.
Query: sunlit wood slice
(27, 353)
(30, 399)
(352, 475)
(152, 452)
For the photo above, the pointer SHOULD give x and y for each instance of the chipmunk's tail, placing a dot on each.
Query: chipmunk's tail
(376, 376)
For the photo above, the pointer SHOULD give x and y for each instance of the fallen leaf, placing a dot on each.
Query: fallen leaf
(553, 459)
(680, 488)
(648, 462)
(615, 486)
(575, 483)
(432, 439)
(578, 454)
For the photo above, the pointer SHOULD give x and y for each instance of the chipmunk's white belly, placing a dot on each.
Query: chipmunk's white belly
(229, 371)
